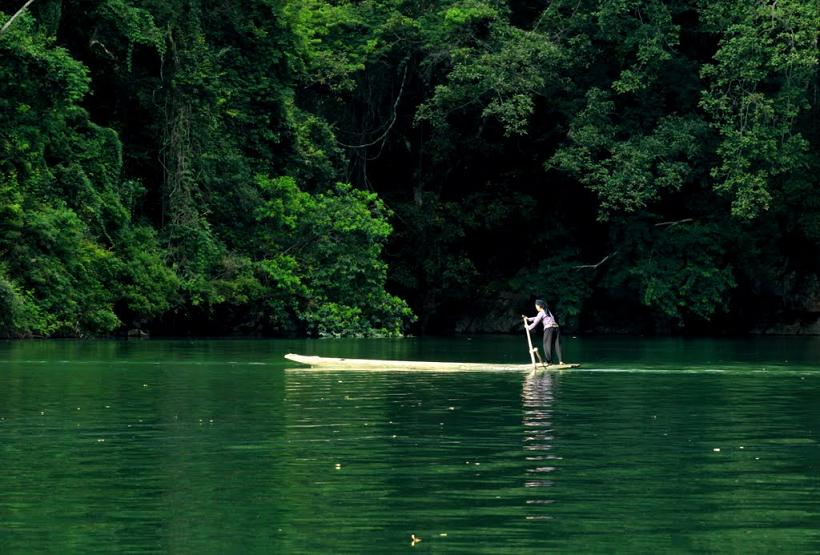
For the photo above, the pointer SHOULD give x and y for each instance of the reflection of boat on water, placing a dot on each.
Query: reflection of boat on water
(537, 399)
(332, 363)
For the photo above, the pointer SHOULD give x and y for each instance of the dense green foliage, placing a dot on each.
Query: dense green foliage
(189, 166)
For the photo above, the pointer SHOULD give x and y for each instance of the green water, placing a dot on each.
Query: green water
(653, 446)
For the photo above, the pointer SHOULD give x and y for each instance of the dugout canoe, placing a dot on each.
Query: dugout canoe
(331, 363)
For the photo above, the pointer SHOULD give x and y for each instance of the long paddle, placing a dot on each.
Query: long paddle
(533, 350)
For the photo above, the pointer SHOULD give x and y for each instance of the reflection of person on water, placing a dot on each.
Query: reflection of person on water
(537, 397)
(552, 334)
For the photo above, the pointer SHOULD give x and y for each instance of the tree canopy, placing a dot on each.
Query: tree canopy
(378, 167)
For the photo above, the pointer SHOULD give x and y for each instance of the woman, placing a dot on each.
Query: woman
(552, 334)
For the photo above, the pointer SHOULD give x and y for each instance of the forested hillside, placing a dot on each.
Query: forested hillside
(380, 167)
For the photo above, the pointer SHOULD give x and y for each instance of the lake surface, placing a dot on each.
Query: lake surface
(653, 446)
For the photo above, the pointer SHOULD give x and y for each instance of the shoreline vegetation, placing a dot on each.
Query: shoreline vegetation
(384, 168)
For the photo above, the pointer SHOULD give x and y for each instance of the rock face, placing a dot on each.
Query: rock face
(137, 333)
(798, 314)
(495, 323)
(503, 315)
(500, 316)
(807, 324)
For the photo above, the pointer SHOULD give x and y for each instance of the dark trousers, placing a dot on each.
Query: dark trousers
(552, 336)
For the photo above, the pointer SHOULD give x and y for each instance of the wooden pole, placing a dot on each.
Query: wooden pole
(15, 16)
(533, 351)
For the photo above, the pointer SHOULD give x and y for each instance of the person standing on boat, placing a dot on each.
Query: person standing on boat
(552, 333)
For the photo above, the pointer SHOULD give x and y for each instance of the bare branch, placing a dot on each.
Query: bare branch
(595, 266)
(392, 121)
(95, 42)
(676, 222)
(15, 16)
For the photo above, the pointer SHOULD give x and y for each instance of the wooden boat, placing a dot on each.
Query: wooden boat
(330, 363)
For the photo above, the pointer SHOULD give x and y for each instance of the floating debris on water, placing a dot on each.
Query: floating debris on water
(414, 540)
